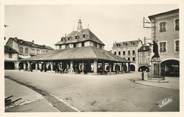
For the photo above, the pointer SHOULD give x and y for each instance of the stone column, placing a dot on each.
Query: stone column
(51, 66)
(28, 66)
(16, 63)
(71, 67)
(24, 66)
(36, 66)
(110, 67)
(120, 67)
(128, 67)
(95, 66)
(103, 66)
(114, 66)
(82, 66)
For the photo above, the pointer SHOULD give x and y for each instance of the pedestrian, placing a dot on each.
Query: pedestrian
(142, 74)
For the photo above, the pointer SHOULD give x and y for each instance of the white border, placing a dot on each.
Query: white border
(89, 114)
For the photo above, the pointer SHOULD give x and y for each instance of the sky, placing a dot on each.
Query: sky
(46, 24)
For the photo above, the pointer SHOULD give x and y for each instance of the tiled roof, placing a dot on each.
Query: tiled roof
(78, 54)
(164, 13)
(8, 49)
(30, 44)
(70, 38)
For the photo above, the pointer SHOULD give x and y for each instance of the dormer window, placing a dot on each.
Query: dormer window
(84, 36)
(118, 45)
(76, 37)
(69, 38)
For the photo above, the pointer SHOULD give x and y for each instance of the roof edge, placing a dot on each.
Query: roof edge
(164, 13)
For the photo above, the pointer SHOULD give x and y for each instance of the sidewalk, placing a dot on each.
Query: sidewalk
(30, 100)
(169, 82)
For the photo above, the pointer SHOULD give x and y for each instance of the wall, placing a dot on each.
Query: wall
(169, 36)
(14, 57)
(88, 43)
(79, 45)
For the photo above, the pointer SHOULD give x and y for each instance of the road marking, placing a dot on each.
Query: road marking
(74, 108)
(165, 102)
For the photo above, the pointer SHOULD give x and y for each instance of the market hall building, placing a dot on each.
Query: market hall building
(81, 51)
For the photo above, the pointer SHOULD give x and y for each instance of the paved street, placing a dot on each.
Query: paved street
(114, 93)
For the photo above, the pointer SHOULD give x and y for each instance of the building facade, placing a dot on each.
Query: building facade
(26, 48)
(165, 31)
(10, 58)
(129, 51)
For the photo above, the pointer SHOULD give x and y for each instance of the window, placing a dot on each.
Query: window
(128, 58)
(177, 45)
(38, 51)
(133, 52)
(162, 46)
(21, 49)
(128, 52)
(26, 50)
(84, 36)
(119, 53)
(124, 53)
(176, 24)
(115, 53)
(133, 58)
(10, 55)
(162, 26)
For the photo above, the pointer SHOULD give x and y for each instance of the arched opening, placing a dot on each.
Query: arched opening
(124, 67)
(9, 65)
(21, 66)
(132, 67)
(117, 68)
(144, 68)
(170, 68)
